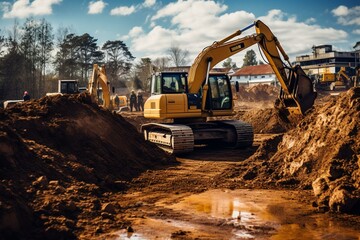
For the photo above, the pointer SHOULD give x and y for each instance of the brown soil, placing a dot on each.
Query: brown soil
(71, 170)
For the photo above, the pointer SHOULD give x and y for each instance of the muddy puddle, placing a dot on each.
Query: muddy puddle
(241, 214)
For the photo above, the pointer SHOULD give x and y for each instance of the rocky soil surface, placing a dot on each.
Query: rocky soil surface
(72, 170)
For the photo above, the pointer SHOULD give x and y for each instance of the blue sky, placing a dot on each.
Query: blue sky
(150, 27)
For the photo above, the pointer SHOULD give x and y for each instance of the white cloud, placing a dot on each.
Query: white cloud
(310, 20)
(298, 37)
(197, 24)
(23, 8)
(96, 7)
(136, 31)
(340, 11)
(149, 3)
(357, 31)
(123, 11)
(347, 16)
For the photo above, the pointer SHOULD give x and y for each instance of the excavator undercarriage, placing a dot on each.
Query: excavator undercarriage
(182, 138)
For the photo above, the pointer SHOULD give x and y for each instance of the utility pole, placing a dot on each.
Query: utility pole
(357, 69)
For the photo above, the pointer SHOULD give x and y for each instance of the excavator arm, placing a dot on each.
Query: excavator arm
(98, 79)
(297, 93)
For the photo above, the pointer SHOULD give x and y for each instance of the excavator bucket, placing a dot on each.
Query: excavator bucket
(301, 93)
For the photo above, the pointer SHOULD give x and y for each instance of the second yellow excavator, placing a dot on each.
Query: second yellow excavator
(99, 89)
(190, 98)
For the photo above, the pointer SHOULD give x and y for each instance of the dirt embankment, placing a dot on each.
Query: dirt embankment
(321, 153)
(65, 162)
(60, 159)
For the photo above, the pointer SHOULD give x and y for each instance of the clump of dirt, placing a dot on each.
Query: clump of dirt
(321, 153)
(60, 159)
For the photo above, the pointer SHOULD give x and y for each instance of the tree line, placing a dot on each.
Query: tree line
(33, 58)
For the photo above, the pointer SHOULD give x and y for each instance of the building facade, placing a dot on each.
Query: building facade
(252, 75)
(325, 60)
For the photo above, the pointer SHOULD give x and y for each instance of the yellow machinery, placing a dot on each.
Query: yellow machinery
(99, 89)
(190, 98)
(332, 81)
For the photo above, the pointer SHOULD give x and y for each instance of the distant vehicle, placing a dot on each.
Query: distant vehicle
(332, 81)
(99, 89)
(66, 87)
(82, 89)
(10, 103)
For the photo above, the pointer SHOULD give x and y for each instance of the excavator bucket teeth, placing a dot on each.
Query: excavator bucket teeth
(301, 94)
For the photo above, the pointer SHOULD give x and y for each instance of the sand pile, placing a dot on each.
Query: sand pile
(59, 157)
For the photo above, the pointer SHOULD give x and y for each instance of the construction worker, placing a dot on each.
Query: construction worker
(133, 101)
(140, 101)
(26, 96)
(116, 101)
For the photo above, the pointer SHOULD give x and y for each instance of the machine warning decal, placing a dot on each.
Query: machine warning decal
(237, 47)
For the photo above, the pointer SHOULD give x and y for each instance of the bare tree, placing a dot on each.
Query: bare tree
(46, 42)
(143, 71)
(178, 56)
(161, 63)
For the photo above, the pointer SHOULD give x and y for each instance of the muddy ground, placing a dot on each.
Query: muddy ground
(71, 170)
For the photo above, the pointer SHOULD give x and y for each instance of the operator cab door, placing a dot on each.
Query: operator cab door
(219, 96)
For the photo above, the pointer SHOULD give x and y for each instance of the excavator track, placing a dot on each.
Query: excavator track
(244, 132)
(181, 138)
(173, 138)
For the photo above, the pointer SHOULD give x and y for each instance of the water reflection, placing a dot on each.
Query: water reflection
(256, 211)
(251, 214)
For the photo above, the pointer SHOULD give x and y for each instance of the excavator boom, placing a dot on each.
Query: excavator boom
(297, 94)
(97, 80)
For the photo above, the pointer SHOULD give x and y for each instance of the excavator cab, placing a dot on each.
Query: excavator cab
(219, 94)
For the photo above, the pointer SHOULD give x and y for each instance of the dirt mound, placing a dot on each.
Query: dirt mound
(260, 92)
(59, 159)
(269, 120)
(321, 153)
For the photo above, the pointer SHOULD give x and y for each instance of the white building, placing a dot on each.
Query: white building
(251, 75)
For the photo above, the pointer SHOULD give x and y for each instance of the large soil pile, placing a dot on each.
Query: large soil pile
(60, 157)
(321, 153)
(269, 120)
(260, 92)
(255, 105)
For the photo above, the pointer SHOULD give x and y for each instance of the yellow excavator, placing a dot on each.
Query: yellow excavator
(99, 89)
(333, 81)
(190, 98)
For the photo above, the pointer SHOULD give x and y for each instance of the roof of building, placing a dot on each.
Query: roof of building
(254, 70)
(357, 44)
